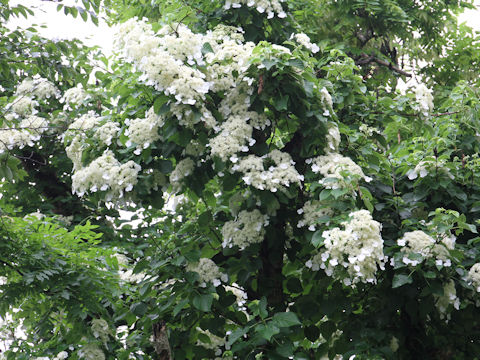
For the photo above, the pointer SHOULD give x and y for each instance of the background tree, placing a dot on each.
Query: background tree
(293, 202)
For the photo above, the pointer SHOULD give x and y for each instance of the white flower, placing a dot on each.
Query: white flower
(248, 228)
(26, 133)
(145, 130)
(424, 99)
(277, 177)
(326, 99)
(183, 169)
(474, 276)
(208, 271)
(304, 40)
(271, 7)
(419, 242)
(62, 355)
(100, 329)
(91, 352)
(105, 172)
(360, 242)
(74, 96)
(331, 166)
(333, 139)
(312, 210)
(449, 297)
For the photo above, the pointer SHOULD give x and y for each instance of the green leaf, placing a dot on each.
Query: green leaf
(203, 302)
(281, 103)
(400, 280)
(312, 333)
(285, 319)
(179, 307)
(207, 48)
(267, 331)
(294, 286)
(205, 219)
(235, 335)
(317, 239)
(159, 102)
(139, 309)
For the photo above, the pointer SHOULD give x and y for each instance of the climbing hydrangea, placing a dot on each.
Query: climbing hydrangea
(335, 167)
(358, 249)
(312, 211)
(248, 228)
(26, 133)
(279, 175)
(449, 297)
(106, 173)
(91, 352)
(208, 272)
(304, 40)
(420, 243)
(74, 96)
(100, 329)
(474, 276)
(37, 88)
(424, 99)
(144, 131)
(271, 7)
(183, 169)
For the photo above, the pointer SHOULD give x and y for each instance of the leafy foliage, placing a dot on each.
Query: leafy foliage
(259, 165)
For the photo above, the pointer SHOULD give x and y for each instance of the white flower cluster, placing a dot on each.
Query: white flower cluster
(429, 166)
(248, 228)
(100, 329)
(312, 211)
(169, 59)
(277, 176)
(358, 249)
(28, 131)
(304, 40)
(74, 96)
(474, 276)
(332, 166)
(62, 355)
(424, 99)
(106, 173)
(208, 272)
(107, 132)
(239, 293)
(420, 243)
(37, 88)
(161, 56)
(449, 297)
(271, 7)
(326, 100)
(183, 169)
(85, 122)
(23, 106)
(216, 343)
(91, 352)
(235, 134)
(143, 132)
(333, 139)
(229, 55)
(368, 130)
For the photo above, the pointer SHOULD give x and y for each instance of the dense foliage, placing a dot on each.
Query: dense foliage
(292, 197)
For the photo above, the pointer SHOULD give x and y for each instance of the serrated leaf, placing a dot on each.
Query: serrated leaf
(285, 319)
(179, 307)
(400, 280)
(267, 331)
(203, 302)
(235, 335)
